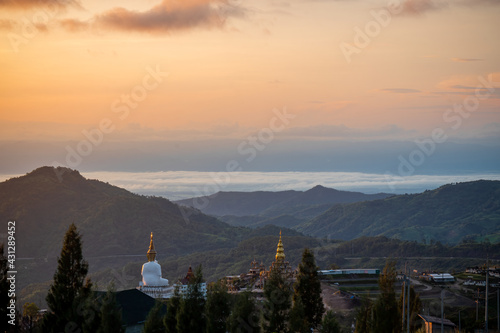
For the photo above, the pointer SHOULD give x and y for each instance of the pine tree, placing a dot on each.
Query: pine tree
(329, 324)
(217, 308)
(111, 315)
(154, 321)
(308, 289)
(69, 290)
(170, 319)
(245, 315)
(277, 292)
(191, 313)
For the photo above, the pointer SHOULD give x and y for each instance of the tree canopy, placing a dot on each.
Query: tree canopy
(69, 290)
(308, 290)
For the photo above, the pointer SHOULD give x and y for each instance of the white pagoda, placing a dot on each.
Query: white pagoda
(152, 283)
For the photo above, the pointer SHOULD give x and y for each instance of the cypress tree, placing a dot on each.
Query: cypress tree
(191, 313)
(111, 315)
(170, 319)
(329, 324)
(217, 308)
(277, 292)
(415, 306)
(154, 322)
(298, 320)
(68, 293)
(364, 317)
(245, 315)
(308, 290)
(92, 313)
(386, 312)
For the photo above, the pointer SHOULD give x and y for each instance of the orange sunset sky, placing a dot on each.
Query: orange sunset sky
(65, 65)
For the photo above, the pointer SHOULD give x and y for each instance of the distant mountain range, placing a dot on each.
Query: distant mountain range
(451, 213)
(284, 208)
(115, 225)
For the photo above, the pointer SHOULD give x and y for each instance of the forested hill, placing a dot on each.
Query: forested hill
(115, 226)
(448, 214)
(112, 220)
(272, 204)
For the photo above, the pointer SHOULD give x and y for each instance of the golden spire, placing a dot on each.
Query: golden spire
(151, 251)
(280, 252)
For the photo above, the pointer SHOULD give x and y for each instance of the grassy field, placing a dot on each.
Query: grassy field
(470, 276)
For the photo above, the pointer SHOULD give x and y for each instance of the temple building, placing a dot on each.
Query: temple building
(152, 283)
(183, 285)
(155, 286)
(280, 263)
(256, 276)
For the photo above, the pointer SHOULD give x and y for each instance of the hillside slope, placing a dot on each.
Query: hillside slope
(273, 204)
(112, 220)
(448, 214)
(115, 226)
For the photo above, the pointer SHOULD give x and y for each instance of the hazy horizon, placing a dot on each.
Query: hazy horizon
(177, 185)
(405, 87)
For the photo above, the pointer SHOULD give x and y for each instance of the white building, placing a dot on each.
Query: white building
(183, 285)
(442, 278)
(152, 283)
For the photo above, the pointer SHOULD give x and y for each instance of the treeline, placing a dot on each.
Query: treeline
(285, 307)
(449, 214)
(384, 315)
(389, 247)
(73, 306)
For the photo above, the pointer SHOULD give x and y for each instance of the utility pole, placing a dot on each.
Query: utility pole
(477, 305)
(486, 297)
(498, 308)
(404, 302)
(442, 311)
(408, 309)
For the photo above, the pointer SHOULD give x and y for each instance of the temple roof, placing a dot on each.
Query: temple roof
(151, 251)
(280, 252)
(189, 276)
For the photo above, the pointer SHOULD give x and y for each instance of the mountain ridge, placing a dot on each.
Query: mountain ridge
(451, 212)
(43, 204)
(273, 204)
(115, 225)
